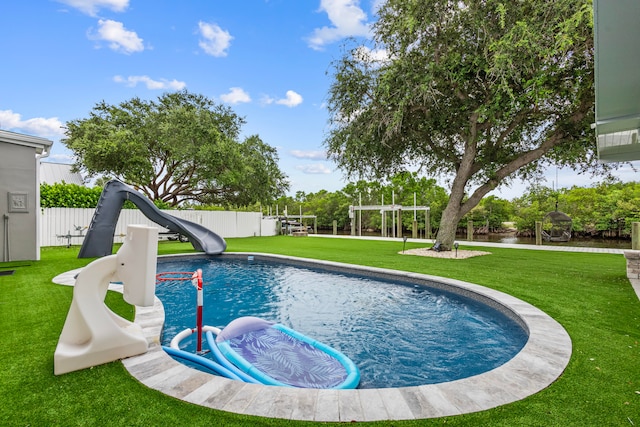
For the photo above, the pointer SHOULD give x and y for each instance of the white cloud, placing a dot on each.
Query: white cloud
(266, 100)
(151, 84)
(215, 41)
(91, 7)
(309, 154)
(38, 126)
(119, 38)
(293, 99)
(236, 95)
(348, 20)
(314, 169)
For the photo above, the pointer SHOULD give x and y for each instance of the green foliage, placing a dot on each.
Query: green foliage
(161, 204)
(327, 207)
(254, 178)
(62, 195)
(399, 190)
(478, 91)
(491, 212)
(532, 207)
(604, 210)
(182, 147)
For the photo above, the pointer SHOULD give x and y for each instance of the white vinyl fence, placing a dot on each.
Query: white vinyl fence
(60, 226)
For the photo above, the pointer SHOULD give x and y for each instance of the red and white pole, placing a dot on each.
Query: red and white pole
(196, 279)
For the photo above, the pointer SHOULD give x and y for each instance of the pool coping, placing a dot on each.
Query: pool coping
(541, 361)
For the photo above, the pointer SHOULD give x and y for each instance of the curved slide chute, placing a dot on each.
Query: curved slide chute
(98, 241)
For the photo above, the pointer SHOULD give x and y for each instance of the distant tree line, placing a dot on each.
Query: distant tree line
(605, 210)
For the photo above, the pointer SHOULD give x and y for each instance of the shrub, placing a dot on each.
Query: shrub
(62, 195)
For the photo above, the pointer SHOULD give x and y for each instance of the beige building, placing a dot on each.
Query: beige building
(20, 195)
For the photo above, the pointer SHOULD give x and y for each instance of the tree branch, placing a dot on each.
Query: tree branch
(555, 139)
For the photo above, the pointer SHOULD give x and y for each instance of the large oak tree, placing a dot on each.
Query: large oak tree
(478, 91)
(182, 147)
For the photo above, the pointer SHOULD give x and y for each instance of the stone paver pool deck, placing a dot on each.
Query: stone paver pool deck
(542, 360)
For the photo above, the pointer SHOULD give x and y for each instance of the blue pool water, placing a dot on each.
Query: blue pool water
(399, 334)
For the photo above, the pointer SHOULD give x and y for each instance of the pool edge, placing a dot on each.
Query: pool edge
(541, 361)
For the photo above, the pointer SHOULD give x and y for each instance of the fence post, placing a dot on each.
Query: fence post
(538, 233)
(427, 224)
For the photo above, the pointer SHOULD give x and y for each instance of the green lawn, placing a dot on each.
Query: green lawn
(587, 293)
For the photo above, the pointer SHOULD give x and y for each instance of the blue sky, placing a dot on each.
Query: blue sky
(269, 60)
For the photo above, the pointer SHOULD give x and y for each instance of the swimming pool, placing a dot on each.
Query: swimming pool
(399, 331)
(541, 362)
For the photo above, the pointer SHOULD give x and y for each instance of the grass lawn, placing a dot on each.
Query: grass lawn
(588, 293)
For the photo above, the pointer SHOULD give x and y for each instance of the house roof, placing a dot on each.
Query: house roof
(41, 145)
(52, 173)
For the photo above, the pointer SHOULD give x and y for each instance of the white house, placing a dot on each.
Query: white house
(20, 195)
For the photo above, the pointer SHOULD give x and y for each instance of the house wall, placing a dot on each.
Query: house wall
(19, 201)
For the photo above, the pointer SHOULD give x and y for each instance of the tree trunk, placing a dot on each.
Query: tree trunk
(455, 208)
(448, 225)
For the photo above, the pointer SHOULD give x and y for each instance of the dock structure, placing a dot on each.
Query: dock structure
(397, 213)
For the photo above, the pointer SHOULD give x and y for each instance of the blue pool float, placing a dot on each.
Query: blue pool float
(276, 355)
